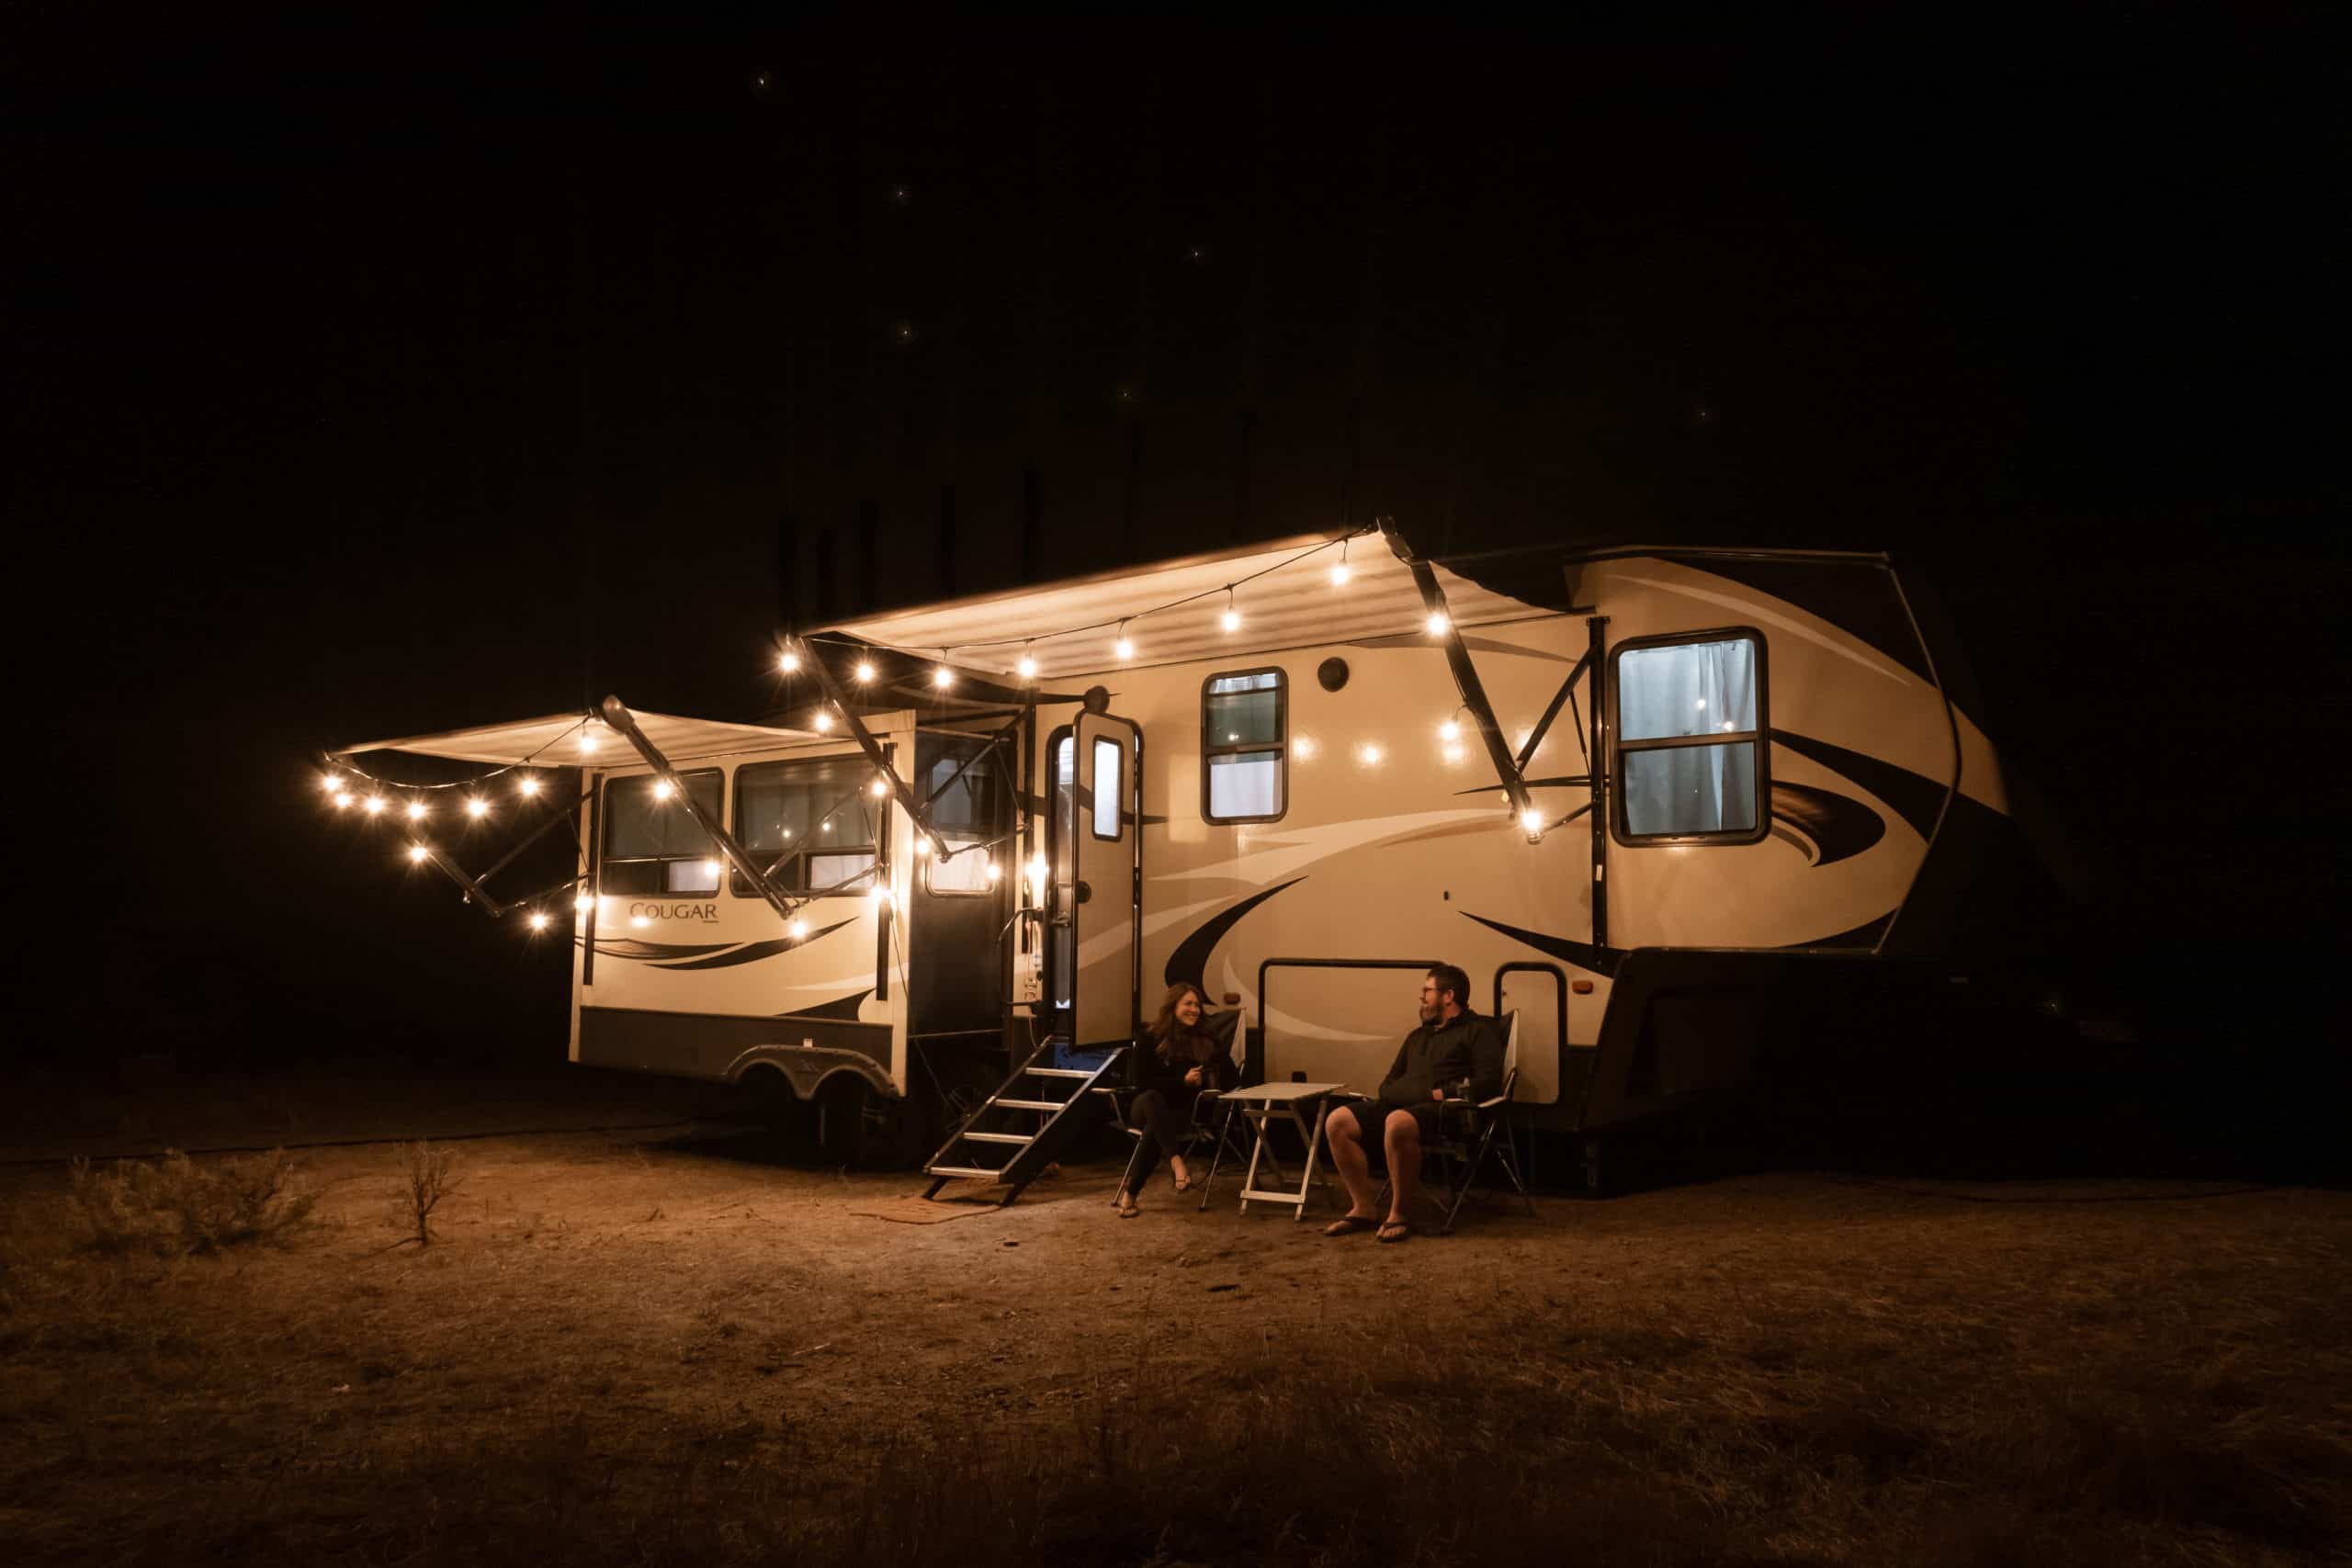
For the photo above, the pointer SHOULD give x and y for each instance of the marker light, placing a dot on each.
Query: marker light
(661, 790)
(528, 784)
(477, 806)
(864, 671)
(584, 904)
(538, 921)
(1449, 730)
(373, 803)
(1028, 666)
(787, 661)
(416, 811)
(417, 852)
(796, 931)
(1437, 623)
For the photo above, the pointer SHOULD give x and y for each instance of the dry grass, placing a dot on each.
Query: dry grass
(663, 1354)
(425, 1173)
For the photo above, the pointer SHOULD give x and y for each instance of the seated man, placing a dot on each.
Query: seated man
(1434, 1060)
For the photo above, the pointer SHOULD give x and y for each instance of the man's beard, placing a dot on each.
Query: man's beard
(1429, 1012)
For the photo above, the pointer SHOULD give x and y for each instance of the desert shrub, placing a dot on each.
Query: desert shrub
(427, 1173)
(177, 1206)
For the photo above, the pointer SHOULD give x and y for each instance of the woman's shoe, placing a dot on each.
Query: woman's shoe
(1127, 1210)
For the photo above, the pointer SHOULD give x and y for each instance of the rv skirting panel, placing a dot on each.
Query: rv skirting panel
(704, 1045)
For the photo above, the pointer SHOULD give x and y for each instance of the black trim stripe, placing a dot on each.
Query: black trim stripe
(1583, 954)
(1917, 797)
(1190, 962)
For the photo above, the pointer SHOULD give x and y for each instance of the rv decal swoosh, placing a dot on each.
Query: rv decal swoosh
(1838, 826)
(842, 1010)
(752, 953)
(1190, 962)
(658, 952)
(1583, 954)
(1914, 796)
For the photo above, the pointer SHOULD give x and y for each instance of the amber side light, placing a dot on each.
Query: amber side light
(1581, 987)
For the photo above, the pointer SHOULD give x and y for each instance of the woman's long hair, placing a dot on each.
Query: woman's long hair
(1171, 1036)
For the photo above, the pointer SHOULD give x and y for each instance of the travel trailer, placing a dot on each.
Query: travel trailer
(1704, 819)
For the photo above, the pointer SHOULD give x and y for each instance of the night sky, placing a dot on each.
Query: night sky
(370, 380)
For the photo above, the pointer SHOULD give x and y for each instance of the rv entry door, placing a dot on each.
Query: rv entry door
(1103, 838)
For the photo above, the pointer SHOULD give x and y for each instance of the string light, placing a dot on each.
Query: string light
(710, 869)
(1340, 573)
(879, 787)
(942, 676)
(1123, 648)
(1449, 730)
(880, 894)
(824, 721)
(333, 782)
(587, 738)
(374, 804)
(342, 799)
(1232, 618)
(416, 811)
(1028, 661)
(992, 870)
(787, 662)
(922, 847)
(476, 806)
(538, 920)
(661, 790)
(798, 930)
(584, 905)
(864, 671)
(1531, 819)
(1437, 623)
(1371, 755)
(417, 852)
(528, 784)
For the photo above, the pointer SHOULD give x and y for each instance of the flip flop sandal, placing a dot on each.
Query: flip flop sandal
(1128, 1210)
(1349, 1225)
(1395, 1229)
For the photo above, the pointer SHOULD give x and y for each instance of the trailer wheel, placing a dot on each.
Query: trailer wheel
(865, 1130)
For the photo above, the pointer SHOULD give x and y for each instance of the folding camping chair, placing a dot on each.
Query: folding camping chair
(1470, 1131)
(1210, 1127)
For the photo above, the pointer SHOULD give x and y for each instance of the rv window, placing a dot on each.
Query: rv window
(966, 814)
(1109, 793)
(651, 845)
(812, 823)
(1690, 733)
(1243, 718)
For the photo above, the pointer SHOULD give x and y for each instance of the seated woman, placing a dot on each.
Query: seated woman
(1178, 1060)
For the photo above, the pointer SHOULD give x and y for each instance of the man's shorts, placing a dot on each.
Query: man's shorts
(1372, 1116)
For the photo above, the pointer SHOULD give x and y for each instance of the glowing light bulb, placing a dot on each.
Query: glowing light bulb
(333, 784)
(992, 870)
(880, 894)
(528, 784)
(1028, 667)
(1231, 620)
(417, 852)
(1531, 819)
(584, 904)
(1037, 872)
(1449, 730)
(1123, 648)
(1340, 575)
(878, 788)
(1371, 755)
(864, 671)
(588, 742)
(787, 661)
(824, 721)
(416, 811)
(341, 800)
(796, 931)
(943, 677)
(477, 806)
(1437, 623)
(538, 921)
(710, 869)
(639, 922)
(922, 847)
(375, 804)
(661, 790)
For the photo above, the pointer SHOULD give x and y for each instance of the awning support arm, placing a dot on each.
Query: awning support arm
(620, 719)
(918, 812)
(1465, 677)
(533, 837)
(1559, 700)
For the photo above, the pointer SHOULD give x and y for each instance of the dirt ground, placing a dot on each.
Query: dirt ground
(678, 1345)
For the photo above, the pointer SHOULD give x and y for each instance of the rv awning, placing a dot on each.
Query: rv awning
(1294, 603)
(573, 741)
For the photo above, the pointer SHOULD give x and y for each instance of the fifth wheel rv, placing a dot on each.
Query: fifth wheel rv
(1706, 819)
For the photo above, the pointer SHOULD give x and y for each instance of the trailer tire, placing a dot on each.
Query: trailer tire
(861, 1130)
